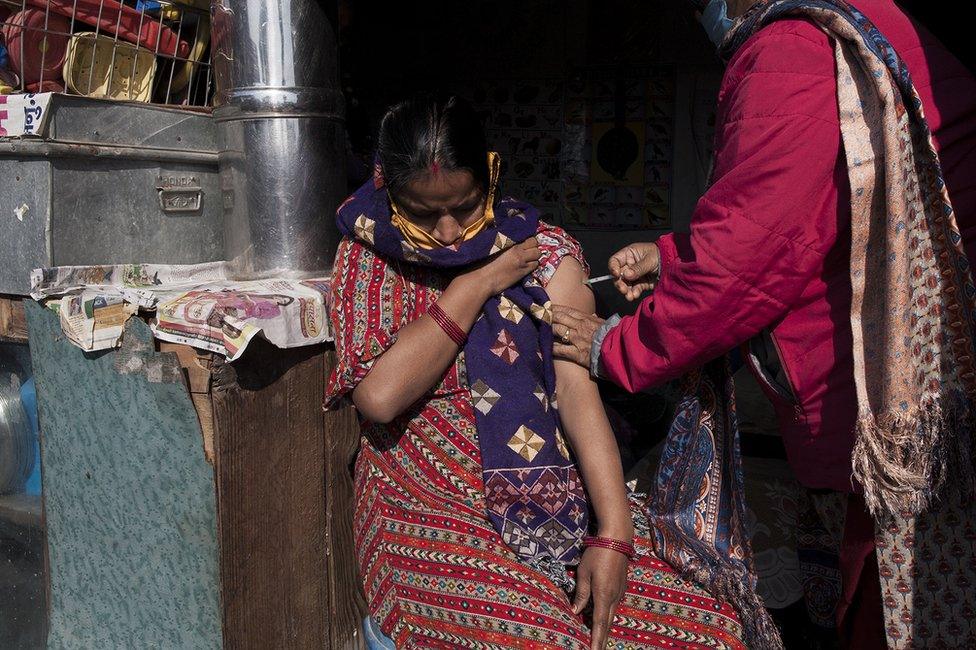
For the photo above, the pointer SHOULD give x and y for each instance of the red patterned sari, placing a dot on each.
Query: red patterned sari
(435, 571)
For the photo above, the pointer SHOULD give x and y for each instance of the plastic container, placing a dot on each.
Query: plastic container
(100, 66)
(18, 446)
(8, 82)
(110, 17)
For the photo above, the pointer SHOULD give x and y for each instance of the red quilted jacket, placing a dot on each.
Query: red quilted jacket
(770, 240)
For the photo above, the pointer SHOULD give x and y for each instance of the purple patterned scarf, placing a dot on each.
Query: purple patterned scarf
(534, 494)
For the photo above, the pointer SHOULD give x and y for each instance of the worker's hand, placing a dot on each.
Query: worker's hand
(573, 333)
(503, 270)
(602, 576)
(636, 268)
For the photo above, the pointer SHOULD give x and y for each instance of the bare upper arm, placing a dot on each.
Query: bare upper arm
(566, 287)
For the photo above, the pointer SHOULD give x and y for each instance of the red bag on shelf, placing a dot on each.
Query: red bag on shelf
(46, 86)
(36, 44)
(110, 17)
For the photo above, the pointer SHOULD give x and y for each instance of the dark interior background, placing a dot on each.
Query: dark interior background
(545, 75)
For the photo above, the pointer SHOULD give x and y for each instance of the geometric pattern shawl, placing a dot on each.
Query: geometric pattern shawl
(912, 310)
(697, 505)
(534, 494)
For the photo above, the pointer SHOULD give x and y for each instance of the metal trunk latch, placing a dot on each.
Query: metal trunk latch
(179, 193)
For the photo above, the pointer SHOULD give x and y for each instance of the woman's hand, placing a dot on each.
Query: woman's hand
(602, 576)
(573, 331)
(422, 352)
(636, 268)
(504, 270)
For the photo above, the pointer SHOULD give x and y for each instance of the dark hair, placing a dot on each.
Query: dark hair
(417, 133)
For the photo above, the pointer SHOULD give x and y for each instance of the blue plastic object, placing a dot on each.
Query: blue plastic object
(375, 639)
(148, 6)
(716, 21)
(28, 397)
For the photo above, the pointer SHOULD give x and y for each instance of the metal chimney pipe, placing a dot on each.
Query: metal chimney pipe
(279, 117)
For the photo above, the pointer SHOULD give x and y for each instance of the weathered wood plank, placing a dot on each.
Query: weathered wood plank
(347, 603)
(13, 321)
(197, 366)
(204, 407)
(278, 581)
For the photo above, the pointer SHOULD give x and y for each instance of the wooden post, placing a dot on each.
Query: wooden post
(347, 604)
(284, 503)
(13, 322)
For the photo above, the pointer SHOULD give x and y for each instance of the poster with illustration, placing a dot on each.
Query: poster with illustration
(590, 152)
(618, 153)
(523, 121)
(618, 163)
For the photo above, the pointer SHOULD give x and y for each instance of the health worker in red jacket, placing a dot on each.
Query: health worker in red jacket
(769, 261)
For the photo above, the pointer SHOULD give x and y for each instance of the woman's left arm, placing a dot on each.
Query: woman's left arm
(602, 573)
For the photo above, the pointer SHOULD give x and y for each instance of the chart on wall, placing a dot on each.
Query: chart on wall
(619, 128)
(524, 123)
(593, 152)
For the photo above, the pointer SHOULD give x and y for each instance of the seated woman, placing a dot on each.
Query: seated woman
(473, 510)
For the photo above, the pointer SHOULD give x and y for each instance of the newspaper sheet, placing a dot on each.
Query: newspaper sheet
(224, 318)
(196, 305)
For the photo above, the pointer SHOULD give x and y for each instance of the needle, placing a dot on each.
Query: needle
(602, 278)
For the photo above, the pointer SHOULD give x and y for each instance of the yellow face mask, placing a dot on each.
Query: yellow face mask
(420, 238)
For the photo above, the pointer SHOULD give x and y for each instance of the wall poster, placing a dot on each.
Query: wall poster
(591, 152)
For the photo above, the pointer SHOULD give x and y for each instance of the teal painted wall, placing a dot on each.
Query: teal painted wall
(129, 497)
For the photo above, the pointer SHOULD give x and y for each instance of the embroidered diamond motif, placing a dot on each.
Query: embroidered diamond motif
(510, 311)
(505, 348)
(525, 515)
(561, 444)
(365, 228)
(540, 394)
(574, 486)
(542, 312)
(549, 492)
(518, 539)
(501, 243)
(501, 494)
(556, 537)
(483, 397)
(526, 443)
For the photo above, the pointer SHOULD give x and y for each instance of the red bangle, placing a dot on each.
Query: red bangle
(448, 324)
(612, 544)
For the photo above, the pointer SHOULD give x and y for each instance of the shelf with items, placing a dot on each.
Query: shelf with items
(149, 51)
